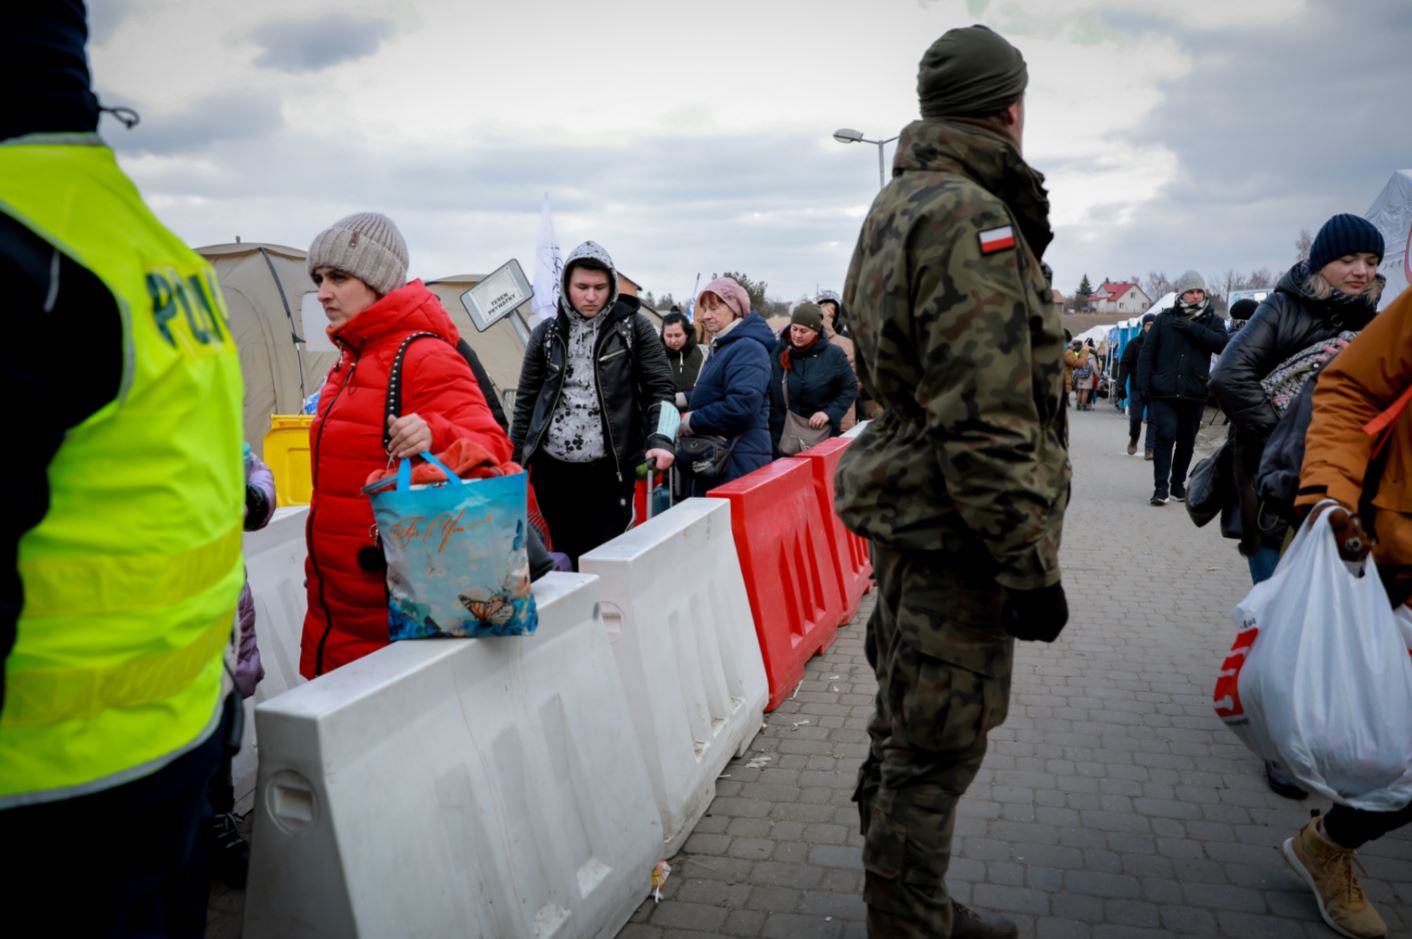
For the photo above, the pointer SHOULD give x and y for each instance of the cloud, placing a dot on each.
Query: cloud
(312, 45)
(209, 123)
(1271, 131)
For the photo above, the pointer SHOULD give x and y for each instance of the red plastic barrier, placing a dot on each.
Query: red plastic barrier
(852, 560)
(781, 538)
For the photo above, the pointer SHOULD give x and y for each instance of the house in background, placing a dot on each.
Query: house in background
(1123, 297)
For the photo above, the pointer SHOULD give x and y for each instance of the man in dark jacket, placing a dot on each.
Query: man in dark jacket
(595, 393)
(1127, 371)
(1174, 367)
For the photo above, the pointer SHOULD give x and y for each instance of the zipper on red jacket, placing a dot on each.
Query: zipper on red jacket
(309, 526)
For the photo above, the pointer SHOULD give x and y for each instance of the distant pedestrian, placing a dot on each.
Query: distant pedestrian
(812, 385)
(1078, 372)
(1127, 381)
(685, 355)
(595, 399)
(1174, 367)
(731, 398)
(834, 314)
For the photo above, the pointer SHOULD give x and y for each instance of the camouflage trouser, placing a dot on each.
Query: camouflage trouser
(942, 685)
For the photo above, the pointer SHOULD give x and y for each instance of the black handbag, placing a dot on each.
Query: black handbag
(1210, 485)
(705, 456)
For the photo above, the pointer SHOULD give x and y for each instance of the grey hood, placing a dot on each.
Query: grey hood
(589, 249)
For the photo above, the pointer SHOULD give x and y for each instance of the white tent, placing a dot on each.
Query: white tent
(1165, 302)
(1096, 333)
(1391, 211)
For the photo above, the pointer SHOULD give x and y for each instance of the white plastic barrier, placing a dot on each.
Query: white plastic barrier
(856, 429)
(274, 561)
(685, 645)
(457, 787)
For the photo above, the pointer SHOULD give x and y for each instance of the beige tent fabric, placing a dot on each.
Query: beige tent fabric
(501, 348)
(270, 360)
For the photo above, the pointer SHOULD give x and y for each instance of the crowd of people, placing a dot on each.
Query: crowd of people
(127, 627)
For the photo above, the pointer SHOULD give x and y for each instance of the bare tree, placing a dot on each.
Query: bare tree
(1157, 284)
(1260, 277)
(1303, 243)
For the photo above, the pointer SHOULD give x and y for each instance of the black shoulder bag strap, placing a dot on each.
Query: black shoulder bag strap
(393, 406)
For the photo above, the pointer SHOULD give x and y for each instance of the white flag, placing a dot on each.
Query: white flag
(548, 267)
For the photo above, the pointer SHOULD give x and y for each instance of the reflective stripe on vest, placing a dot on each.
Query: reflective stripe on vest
(132, 576)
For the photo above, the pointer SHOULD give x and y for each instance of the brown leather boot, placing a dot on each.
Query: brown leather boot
(967, 923)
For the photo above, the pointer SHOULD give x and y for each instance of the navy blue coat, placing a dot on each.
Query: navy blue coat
(731, 397)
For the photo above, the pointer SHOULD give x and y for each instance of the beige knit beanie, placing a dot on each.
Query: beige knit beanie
(366, 245)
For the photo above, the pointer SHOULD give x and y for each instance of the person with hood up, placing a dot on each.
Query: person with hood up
(1173, 369)
(595, 399)
(685, 355)
(359, 265)
(731, 398)
(812, 380)
(1127, 383)
(834, 316)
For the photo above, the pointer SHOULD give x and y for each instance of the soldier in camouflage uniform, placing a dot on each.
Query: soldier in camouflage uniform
(962, 483)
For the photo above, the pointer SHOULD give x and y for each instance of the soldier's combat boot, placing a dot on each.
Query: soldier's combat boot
(967, 923)
(1132, 446)
(1328, 870)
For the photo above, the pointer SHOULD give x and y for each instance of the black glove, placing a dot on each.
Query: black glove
(1035, 614)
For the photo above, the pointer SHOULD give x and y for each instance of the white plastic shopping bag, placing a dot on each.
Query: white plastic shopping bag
(1319, 677)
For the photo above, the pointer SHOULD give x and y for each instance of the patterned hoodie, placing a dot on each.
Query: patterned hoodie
(576, 430)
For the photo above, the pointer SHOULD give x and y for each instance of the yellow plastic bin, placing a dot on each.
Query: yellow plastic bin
(287, 456)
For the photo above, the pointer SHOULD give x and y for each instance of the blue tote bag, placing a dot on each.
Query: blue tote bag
(457, 564)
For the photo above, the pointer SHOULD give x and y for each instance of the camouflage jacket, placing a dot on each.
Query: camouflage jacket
(957, 337)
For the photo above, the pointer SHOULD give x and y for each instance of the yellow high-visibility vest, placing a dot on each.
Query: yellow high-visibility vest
(131, 579)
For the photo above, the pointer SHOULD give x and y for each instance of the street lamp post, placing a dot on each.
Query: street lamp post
(849, 135)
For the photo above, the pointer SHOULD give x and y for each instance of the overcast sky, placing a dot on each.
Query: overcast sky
(691, 138)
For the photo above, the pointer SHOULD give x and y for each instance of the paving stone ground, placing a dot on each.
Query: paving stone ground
(1113, 804)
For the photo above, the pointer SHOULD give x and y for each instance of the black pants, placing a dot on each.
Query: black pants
(126, 861)
(1173, 423)
(1352, 828)
(585, 504)
(1136, 405)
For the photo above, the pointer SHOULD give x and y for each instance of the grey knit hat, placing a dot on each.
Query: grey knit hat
(1191, 280)
(366, 245)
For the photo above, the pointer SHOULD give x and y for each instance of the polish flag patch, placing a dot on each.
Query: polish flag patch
(997, 239)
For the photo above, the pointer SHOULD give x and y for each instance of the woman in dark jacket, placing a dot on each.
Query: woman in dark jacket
(684, 355)
(821, 383)
(731, 395)
(1336, 290)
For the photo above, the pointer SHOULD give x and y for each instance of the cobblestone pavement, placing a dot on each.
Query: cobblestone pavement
(1113, 803)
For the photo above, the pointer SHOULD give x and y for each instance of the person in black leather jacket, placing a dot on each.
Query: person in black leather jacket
(595, 398)
(1174, 367)
(1337, 289)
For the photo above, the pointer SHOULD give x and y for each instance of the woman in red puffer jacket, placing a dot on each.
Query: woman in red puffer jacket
(360, 268)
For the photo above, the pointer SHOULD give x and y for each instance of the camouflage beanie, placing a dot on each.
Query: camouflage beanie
(970, 72)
